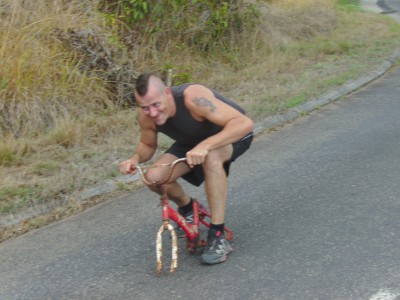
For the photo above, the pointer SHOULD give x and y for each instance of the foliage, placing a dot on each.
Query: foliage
(45, 168)
(12, 151)
(206, 24)
(13, 198)
(7, 153)
(350, 5)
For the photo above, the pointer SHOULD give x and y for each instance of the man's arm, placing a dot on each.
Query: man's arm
(146, 147)
(203, 105)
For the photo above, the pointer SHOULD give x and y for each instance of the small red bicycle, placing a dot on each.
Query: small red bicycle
(192, 231)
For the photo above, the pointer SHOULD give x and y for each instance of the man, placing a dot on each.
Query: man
(209, 130)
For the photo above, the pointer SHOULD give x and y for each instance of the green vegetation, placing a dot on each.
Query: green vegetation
(14, 198)
(67, 71)
(202, 24)
(45, 168)
(293, 102)
(7, 152)
(350, 5)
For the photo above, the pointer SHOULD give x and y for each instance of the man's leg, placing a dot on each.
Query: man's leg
(174, 189)
(216, 182)
(216, 185)
(216, 177)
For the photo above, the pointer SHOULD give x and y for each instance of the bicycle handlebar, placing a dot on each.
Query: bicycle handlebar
(142, 168)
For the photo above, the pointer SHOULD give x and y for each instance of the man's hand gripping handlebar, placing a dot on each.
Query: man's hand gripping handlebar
(142, 171)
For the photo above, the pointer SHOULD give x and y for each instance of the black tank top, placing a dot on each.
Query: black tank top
(183, 128)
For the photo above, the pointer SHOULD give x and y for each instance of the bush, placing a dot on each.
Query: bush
(205, 24)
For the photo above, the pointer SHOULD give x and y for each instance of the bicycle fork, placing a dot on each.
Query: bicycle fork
(192, 231)
(174, 257)
(166, 226)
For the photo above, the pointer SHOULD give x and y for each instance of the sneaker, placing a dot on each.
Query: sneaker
(189, 218)
(217, 248)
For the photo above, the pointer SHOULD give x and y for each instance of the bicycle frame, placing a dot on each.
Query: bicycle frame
(192, 231)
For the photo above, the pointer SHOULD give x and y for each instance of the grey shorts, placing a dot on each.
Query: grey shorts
(196, 175)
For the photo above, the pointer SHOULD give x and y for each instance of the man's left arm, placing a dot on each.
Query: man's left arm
(203, 105)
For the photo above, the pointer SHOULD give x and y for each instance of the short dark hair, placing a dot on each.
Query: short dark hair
(142, 83)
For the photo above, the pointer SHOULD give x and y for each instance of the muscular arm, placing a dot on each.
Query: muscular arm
(203, 105)
(148, 140)
(146, 147)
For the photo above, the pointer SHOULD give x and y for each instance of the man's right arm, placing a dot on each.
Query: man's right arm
(144, 150)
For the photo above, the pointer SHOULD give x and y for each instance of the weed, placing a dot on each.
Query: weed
(15, 198)
(7, 153)
(293, 102)
(122, 186)
(37, 222)
(66, 133)
(45, 168)
(350, 5)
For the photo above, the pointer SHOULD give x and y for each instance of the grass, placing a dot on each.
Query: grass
(61, 132)
(297, 100)
(7, 152)
(66, 133)
(40, 81)
(27, 196)
(45, 168)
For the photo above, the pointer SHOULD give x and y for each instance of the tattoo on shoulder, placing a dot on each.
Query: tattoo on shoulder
(205, 103)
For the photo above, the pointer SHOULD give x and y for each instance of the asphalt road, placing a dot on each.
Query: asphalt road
(390, 5)
(314, 207)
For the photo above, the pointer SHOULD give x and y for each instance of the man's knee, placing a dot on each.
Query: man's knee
(217, 157)
(154, 175)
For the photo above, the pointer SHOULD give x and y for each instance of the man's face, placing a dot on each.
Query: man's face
(154, 105)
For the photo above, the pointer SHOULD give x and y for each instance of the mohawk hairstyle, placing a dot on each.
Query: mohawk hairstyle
(142, 83)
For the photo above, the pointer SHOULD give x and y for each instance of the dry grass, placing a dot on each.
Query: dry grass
(39, 82)
(60, 133)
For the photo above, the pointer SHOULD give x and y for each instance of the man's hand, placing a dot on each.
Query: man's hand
(196, 156)
(128, 166)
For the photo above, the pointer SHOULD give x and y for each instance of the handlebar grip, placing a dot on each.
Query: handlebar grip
(171, 166)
